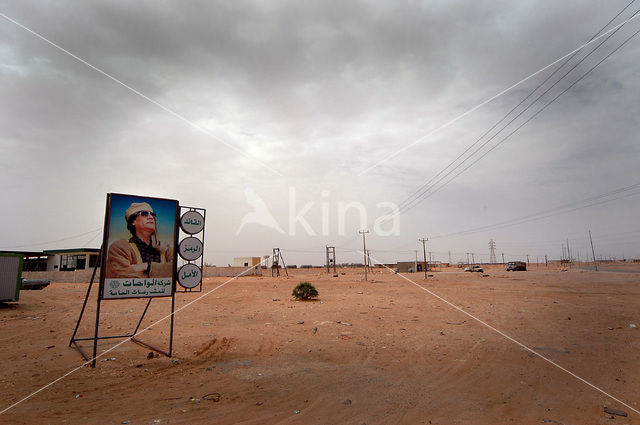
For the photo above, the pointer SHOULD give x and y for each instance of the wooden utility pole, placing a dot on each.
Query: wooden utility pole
(364, 250)
(424, 250)
(595, 263)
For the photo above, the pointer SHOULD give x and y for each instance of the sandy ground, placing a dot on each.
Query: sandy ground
(378, 352)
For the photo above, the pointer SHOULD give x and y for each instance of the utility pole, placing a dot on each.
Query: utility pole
(449, 257)
(503, 258)
(595, 263)
(364, 250)
(467, 258)
(546, 262)
(415, 263)
(429, 260)
(424, 250)
(473, 258)
(527, 259)
(568, 253)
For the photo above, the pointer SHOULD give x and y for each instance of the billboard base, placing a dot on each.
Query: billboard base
(95, 338)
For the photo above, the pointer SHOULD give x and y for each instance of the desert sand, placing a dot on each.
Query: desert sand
(384, 351)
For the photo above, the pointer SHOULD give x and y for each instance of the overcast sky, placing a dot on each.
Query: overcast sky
(262, 100)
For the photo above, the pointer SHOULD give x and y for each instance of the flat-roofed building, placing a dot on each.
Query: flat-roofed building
(246, 261)
(71, 259)
(409, 266)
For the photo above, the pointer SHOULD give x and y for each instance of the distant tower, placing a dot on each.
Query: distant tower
(276, 260)
(492, 250)
(331, 258)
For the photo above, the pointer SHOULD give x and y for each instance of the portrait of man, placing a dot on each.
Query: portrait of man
(142, 254)
(140, 243)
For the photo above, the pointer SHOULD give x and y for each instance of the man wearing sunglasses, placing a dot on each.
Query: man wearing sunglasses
(141, 255)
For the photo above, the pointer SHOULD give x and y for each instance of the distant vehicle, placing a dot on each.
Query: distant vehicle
(34, 284)
(475, 268)
(513, 266)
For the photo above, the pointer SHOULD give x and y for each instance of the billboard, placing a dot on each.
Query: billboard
(141, 240)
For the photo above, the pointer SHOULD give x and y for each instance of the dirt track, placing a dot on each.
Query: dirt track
(377, 352)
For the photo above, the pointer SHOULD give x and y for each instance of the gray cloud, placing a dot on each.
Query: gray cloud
(318, 91)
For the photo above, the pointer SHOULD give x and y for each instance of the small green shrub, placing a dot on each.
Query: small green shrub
(304, 291)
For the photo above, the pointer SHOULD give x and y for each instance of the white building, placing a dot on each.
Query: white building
(246, 261)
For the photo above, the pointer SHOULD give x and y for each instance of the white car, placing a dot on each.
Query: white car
(475, 268)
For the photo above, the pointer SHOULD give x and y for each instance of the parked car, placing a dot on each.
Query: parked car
(475, 268)
(34, 284)
(513, 266)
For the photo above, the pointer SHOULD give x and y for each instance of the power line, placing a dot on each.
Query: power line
(170, 111)
(423, 192)
(420, 189)
(552, 211)
(54, 241)
(532, 117)
(491, 99)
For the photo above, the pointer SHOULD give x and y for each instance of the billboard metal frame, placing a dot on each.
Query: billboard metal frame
(103, 249)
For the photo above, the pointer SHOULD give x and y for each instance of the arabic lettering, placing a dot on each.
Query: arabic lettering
(138, 287)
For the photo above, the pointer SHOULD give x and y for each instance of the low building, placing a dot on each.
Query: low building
(230, 271)
(409, 266)
(54, 260)
(31, 260)
(246, 261)
(71, 259)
